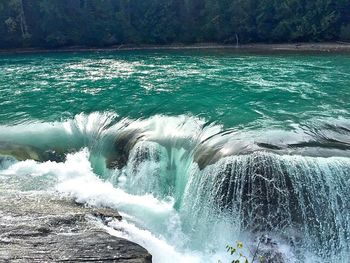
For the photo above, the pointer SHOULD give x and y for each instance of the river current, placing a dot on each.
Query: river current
(196, 149)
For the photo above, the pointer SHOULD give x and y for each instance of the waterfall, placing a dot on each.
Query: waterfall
(301, 200)
(192, 185)
(304, 200)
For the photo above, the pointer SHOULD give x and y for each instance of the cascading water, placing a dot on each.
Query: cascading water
(299, 199)
(184, 197)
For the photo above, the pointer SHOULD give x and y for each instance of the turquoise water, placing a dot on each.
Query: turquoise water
(236, 90)
(189, 144)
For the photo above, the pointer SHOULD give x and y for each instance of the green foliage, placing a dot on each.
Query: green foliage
(11, 24)
(238, 255)
(56, 23)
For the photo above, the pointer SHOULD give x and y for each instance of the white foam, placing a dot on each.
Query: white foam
(153, 223)
(158, 247)
(182, 127)
(76, 165)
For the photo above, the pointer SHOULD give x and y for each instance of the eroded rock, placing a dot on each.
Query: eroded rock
(37, 228)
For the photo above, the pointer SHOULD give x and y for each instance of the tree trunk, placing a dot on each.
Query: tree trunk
(23, 23)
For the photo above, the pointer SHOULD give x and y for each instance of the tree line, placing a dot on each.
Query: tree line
(98, 23)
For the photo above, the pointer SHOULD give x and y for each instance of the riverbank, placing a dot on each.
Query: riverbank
(335, 47)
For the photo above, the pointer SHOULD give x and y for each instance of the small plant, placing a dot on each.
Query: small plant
(237, 252)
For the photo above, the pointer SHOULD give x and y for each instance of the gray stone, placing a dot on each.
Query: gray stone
(40, 228)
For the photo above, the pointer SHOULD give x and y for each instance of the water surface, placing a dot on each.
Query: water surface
(189, 145)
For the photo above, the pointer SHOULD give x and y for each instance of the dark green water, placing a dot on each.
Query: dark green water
(189, 144)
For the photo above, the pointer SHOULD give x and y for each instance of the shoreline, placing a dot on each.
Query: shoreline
(329, 47)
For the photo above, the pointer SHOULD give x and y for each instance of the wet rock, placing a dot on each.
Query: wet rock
(106, 214)
(19, 152)
(54, 156)
(123, 144)
(268, 251)
(272, 256)
(27, 152)
(37, 228)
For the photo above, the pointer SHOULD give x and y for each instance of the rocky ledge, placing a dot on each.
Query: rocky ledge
(38, 228)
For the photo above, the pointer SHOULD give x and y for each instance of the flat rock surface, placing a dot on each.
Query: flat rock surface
(36, 227)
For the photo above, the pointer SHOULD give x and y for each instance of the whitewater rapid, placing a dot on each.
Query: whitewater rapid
(188, 188)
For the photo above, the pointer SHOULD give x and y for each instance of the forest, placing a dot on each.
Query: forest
(102, 23)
